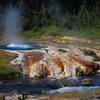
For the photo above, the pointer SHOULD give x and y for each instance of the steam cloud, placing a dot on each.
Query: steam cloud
(12, 25)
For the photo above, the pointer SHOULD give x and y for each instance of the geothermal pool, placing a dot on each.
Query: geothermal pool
(26, 46)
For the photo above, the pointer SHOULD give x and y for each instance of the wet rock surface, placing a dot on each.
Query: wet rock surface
(58, 62)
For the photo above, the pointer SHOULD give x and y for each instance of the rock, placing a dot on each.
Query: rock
(85, 63)
(41, 70)
(58, 62)
(90, 52)
(12, 97)
(80, 71)
(35, 57)
(87, 82)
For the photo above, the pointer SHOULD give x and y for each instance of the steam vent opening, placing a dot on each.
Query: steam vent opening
(27, 46)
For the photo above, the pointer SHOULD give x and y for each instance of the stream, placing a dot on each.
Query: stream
(51, 85)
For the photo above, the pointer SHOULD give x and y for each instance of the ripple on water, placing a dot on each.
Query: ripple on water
(73, 89)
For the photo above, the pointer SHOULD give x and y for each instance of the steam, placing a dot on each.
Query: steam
(12, 25)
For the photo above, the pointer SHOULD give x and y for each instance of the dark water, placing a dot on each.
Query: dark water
(44, 85)
(95, 79)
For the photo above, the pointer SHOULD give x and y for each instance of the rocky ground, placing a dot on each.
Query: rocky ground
(55, 60)
(90, 95)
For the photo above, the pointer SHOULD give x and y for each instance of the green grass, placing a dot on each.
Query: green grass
(42, 32)
(30, 35)
(6, 71)
(87, 33)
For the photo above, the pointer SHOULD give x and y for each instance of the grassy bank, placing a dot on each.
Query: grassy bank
(6, 71)
(87, 33)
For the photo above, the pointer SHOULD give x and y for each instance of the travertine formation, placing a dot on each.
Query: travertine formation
(58, 62)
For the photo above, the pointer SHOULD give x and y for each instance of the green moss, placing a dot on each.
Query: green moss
(79, 71)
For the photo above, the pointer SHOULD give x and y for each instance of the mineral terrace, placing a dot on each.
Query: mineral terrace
(57, 62)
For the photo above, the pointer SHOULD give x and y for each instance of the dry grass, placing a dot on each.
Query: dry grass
(76, 94)
(1, 96)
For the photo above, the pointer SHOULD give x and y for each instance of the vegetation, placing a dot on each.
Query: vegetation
(87, 33)
(6, 71)
(83, 24)
(43, 18)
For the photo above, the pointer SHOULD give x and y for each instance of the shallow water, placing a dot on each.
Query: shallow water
(49, 85)
(79, 86)
(74, 89)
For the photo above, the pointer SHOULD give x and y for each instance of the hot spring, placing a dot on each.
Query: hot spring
(12, 28)
(26, 46)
